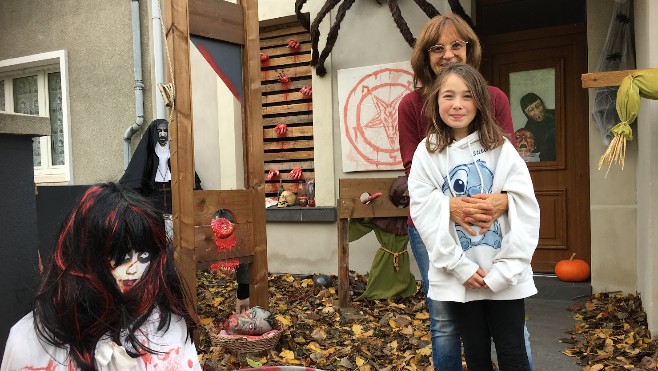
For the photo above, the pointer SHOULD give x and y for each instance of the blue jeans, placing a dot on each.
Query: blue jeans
(446, 346)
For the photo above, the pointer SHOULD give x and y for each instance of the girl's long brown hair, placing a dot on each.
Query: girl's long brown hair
(439, 134)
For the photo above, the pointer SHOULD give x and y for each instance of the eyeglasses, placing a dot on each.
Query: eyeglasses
(441, 49)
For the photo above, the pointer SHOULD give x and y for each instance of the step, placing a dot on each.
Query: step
(551, 288)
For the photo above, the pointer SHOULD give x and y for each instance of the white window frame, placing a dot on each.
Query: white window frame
(40, 65)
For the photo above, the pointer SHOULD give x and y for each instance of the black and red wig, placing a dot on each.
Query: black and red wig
(79, 301)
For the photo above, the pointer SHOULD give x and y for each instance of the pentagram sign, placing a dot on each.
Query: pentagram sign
(370, 116)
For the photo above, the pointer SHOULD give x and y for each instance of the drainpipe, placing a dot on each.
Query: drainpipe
(158, 57)
(139, 84)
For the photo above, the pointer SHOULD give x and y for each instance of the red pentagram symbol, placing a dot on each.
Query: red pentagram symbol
(370, 115)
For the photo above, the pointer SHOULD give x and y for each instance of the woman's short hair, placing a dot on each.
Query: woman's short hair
(420, 63)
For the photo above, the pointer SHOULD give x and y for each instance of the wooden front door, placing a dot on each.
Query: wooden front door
(540, 69)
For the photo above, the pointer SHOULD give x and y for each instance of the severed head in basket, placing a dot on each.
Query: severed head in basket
(251, 331)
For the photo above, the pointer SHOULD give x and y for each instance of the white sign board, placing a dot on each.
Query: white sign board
(368, 99)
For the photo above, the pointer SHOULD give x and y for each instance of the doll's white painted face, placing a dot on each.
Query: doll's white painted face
(131, 269)
(163, 133)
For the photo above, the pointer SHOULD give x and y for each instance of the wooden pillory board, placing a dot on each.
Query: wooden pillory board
(193, 210)
(350, 206)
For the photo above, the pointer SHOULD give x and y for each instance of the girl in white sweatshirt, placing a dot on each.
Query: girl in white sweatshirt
(487, 276)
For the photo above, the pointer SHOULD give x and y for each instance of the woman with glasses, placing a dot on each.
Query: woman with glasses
(447, 39)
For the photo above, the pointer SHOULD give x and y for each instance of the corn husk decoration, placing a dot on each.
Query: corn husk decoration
(643, 83)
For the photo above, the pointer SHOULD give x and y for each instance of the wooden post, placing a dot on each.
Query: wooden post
(603, 79)
(253, 124)
(343, 264)
(182, 144)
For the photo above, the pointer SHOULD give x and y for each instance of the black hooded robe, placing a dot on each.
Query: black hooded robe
(140, 173)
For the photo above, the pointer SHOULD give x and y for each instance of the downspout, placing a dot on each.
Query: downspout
(139, 83)
(158, 56)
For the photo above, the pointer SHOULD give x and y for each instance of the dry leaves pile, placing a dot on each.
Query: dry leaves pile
(611, 334)
(377, 335)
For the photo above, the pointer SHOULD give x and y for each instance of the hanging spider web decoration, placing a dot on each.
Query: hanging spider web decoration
(618, 54)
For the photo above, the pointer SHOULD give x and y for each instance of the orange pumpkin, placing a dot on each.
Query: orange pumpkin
(572, 270)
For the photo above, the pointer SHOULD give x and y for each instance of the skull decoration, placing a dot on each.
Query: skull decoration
(286, 199)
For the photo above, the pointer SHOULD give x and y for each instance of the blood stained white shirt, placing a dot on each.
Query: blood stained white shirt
(25, 351)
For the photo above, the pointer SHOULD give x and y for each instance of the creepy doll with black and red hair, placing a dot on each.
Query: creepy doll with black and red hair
(110, 296)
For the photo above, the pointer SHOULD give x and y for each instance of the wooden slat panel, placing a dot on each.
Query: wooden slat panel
(218, 20)
(291, 86)
(286, 166)
(292, 72)
(287, 60)
(288, 144)
(284, 97)
(283, 40)
(298, 131)
(285, 176)
(285, 50)
(294, 187)
(296, 119)
(281, 31)
(288, 104)
(301, 155)
(273, 110)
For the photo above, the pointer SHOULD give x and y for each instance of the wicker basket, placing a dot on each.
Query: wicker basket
(243, 344)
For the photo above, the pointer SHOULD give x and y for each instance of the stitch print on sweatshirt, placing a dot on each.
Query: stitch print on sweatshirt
(466, 181)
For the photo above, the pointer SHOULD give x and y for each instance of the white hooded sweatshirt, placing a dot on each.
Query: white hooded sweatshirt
(464, 168)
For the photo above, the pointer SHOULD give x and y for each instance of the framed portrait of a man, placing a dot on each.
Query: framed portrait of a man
(532, 102)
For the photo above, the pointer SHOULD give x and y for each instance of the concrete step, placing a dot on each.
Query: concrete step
(551, 288)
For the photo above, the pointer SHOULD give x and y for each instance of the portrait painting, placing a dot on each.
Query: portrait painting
(532, 102)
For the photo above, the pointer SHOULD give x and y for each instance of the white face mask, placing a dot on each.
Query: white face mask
(130, 270)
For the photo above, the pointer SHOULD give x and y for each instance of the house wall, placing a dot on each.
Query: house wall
(97, 37)
(368, 36)
(646, 13)
(613, 213)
